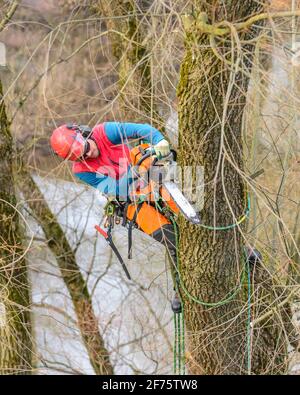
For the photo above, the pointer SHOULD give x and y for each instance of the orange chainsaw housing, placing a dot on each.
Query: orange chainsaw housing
(136, 154)
(148, 219)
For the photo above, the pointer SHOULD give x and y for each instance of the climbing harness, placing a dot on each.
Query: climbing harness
(114, 211)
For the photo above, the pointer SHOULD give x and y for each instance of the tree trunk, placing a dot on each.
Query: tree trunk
(70, 271)
(212, 94)
(129, 48)
(15, 324)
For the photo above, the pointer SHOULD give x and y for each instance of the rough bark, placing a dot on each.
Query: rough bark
(15, 323)
(70, 271)
(9, 14)
(212, 269)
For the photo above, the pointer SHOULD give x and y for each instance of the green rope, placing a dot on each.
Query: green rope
(179, 346)
(179, 338)
(245, 216)
(227, 227)
(175, 344)
(179, 343)
(248, 318)
(183, 340)
(193, 298)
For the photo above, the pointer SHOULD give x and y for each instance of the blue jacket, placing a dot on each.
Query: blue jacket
(120, 133)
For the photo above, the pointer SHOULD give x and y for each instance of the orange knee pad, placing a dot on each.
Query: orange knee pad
(146, 217)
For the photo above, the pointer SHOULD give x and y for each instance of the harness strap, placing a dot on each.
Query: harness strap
(130, 240)
(131, 223)
(139, 206)
(124, 221)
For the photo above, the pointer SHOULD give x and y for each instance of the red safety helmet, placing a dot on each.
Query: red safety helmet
(68, 142)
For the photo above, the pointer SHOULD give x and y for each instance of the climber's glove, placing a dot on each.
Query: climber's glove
(162, 149)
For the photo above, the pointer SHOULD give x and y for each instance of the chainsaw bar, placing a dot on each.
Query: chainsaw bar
(182, 203)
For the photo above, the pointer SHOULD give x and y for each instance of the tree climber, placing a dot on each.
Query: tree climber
(101, 159)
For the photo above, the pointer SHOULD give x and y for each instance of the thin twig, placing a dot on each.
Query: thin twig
(9, 14)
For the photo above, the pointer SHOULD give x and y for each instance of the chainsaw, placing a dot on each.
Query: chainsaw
(153, 184)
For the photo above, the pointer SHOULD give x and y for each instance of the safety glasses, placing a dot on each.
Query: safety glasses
(86, 150)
